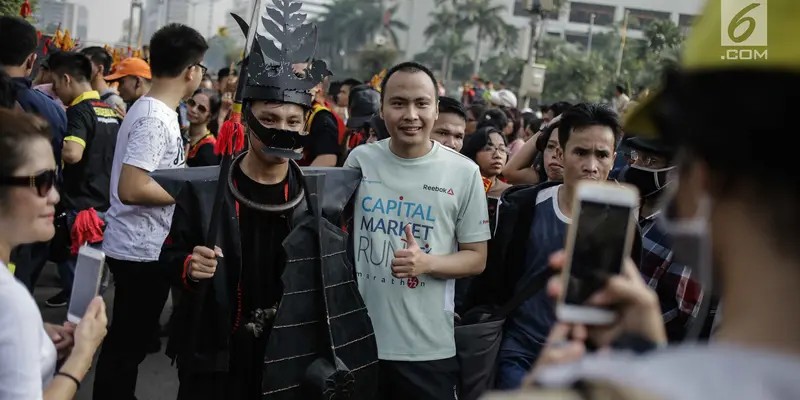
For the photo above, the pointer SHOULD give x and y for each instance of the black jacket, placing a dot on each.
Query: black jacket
(297, 337)
(505, 261)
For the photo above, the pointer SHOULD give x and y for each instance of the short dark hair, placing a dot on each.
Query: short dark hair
(494, 117)
(99, 56)
(530, 121)
(410, 67)
(478, 140)
(449, 105)
(619, 88)
(584, 115)
(477, 108)
(76, 65)
(226, 72)
(174, 48)
(19, 41)
(559, 107)
(350, 82)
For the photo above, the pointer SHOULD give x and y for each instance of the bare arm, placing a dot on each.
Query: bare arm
(136, 187)
(470, 260)
(518, 170)
(64, 388)
(72, 153)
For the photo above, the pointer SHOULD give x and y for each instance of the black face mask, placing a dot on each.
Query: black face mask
(648, 181)
(277, 142)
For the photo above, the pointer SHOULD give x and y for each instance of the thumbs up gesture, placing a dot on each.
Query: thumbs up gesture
(411, 261)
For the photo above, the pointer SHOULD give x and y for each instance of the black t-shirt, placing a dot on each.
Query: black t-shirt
(323, 138)
(263, 262)
(94, 125)
(201, 154)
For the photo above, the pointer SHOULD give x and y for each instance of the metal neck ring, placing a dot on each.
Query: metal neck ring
(270, 208)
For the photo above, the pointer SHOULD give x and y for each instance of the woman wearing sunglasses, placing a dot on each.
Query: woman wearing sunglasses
(29, 349)
(202, 111)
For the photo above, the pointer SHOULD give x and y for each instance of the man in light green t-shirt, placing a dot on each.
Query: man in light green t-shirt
(421, 221)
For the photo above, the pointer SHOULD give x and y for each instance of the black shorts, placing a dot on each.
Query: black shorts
(419, 380)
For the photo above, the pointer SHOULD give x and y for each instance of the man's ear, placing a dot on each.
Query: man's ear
(30, 62)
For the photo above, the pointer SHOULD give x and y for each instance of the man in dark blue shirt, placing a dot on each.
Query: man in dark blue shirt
(17, 59)
(532, 225)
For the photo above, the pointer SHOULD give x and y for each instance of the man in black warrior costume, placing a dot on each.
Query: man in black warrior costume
(272, 312)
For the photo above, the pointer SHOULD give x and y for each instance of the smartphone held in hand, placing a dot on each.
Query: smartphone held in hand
(599, 239)
(86, 285)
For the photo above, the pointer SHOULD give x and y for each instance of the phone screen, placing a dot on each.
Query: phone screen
(86, 284)
(598, 249)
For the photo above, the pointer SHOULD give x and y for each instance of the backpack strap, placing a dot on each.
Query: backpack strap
(317, 108)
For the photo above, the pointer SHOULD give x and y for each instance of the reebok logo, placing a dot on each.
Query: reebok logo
(438, 189)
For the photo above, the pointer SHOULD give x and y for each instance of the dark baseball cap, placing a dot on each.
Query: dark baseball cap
(364, 103)
(655, 146)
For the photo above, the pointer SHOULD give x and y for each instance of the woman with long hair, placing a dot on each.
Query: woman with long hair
(202, 113)
(30, 349)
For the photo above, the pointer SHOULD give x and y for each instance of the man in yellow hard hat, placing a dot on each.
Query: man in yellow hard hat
(734, 216)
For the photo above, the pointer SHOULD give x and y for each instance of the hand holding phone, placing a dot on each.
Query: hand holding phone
(86, 285)
(598, 241)
(636, 305)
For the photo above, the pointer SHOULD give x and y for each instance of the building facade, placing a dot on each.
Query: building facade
(572, 22)
(51, 14)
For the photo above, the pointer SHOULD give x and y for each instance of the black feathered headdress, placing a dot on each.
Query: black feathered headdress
(271, 74)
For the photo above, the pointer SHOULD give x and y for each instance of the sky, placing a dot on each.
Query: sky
(106, 16)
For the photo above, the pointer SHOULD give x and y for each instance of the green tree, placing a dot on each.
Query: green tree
(348, 26)
(572, 76)
(374, 59)
(11, 7)
(222, 51)
(489, 21)
(504, 67)
(447, 34)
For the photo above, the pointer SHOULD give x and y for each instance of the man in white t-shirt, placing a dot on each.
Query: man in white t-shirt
(421, 221)
(141, 211)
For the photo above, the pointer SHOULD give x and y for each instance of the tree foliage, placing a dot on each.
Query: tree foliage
(11, 7)
(349, 27)
(222, 52)
(453, 19)
(574, 75)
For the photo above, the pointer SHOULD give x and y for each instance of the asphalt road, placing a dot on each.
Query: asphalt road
(157, 379)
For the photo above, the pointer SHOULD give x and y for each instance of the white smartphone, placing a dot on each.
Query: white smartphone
(86, 283)
(599, 239)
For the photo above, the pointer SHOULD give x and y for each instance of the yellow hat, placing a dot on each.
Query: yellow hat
(732, 34)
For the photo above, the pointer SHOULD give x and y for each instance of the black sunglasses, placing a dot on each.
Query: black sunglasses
(202, 67)
(42, 182)
(200, 107)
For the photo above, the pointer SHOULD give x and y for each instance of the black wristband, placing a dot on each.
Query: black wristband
(74, 379)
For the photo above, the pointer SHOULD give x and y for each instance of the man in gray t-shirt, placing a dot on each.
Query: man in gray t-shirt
(421, 221)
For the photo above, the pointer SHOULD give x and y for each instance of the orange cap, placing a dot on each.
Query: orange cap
(131, 67)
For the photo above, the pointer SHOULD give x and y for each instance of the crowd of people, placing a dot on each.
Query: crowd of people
(327, 237)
